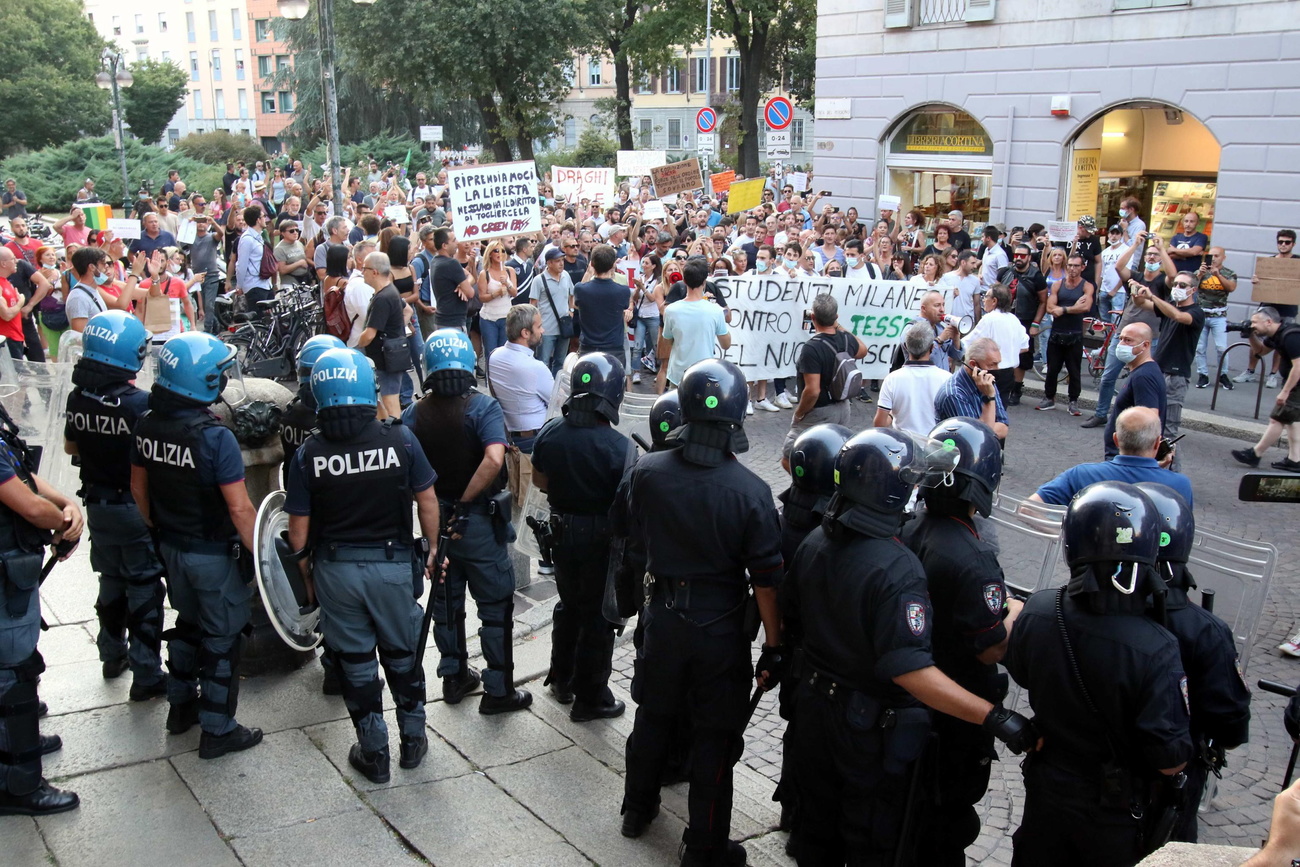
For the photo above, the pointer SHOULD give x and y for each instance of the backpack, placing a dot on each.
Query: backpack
(337, 321)
(269, 267)
(847, 379)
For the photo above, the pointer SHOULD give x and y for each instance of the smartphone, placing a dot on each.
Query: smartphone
(1207, 260)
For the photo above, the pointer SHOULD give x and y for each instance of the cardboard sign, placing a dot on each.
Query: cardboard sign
(745, 195)
(638, 163)
(799, 181)
(722, 181)
(1277, 281)
(1062, 231)
(682, 177)
(767, 331)
(889, 203)
(125, 230)
(577, 184)
(654, 210)
(495, 200)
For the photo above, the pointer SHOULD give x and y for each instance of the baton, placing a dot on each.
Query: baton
(1283, 689)
(61, 549)
(753, 704)
(645, 446)
(438, 556)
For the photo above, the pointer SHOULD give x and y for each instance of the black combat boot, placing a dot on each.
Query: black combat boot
(373, 766)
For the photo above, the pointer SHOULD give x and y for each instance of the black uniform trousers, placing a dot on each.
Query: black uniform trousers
(958, 774)
(582, 640)
(1065, 824)
(706, 670)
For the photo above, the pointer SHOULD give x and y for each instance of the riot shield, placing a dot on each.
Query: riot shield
(284, 596)
(35, 394)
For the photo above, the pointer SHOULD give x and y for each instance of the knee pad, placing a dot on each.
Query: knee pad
(364, 699)
(19, 708)
(210, 671)
(407, 686)
(145, 621)
(189, 637)
(112, 615)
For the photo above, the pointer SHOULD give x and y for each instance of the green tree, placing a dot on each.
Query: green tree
(154, 97)
(47, 74)
(220, 147)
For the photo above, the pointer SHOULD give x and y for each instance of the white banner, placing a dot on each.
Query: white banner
(1062, 231)
(576, 184)
(495, 200)
(638, 163)
(124, 230)
(767, 329)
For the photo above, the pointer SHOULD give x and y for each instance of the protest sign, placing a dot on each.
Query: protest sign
(767, 331)
(494, 200)
(97, 216)
(638, 163)
(681, 177)
(745, 195)
(799, 181)
(576, 184)
(1062, 231)
(186, 231)
(124, 230)
(397, 213)
(654, 210)
(888, 203)
(1277, 281)
(722, 181)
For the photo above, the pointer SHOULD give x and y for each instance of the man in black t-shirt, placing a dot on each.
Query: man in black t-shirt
(816, 367)
(604, 306)
(1028, 288)
(956, 234)
(385, 320)
(1181, 320)
(1270, 331)
(452, 286)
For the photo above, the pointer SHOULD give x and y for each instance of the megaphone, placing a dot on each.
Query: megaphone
(963, 324)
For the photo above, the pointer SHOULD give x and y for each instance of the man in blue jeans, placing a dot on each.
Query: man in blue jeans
(553, 297)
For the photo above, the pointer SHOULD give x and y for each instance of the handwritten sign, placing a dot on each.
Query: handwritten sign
(745, 195)
(638, 163)
(577, 184)
(654, 210)
(1277, 281)
(124, 230)
(495, 200)
(797, 180)
(682, 177)
(889, 203)
(1062, 230)
(767, 319)
(186, 231)
(722, 181)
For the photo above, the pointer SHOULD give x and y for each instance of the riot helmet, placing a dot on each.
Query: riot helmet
(198, 367)
(713, 396)
(595, 390)
(875, 473)
(449, 359)
(117, 339)
(1110, 522)
(812, 458)
(343, 377)
(1177, 524)
(313, 349)
(979, 463)
(665, 417)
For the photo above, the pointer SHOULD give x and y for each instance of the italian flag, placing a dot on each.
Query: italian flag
(97, 216)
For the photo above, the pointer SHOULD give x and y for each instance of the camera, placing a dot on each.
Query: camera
(1245, 329)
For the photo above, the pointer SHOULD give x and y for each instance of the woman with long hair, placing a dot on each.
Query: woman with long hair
(648, 302)
(52, 319)
(496, 286)
(929, 272)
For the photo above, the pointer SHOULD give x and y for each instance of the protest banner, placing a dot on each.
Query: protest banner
(638, 163)
(767, 330)
(576, 184)
(654, 210)
(682, 177)
(186, 231)
(745, 195)
(123, 230)
(1277, 281)
(1062, 231)
(494, 200)
(799, 181)
(722, 181)
(889, 203)
(397, 214)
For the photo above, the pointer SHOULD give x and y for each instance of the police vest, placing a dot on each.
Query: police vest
(371, 470)
(101, 426)
(15, 531)
(453, 450)
(179, 503)
(296, 424)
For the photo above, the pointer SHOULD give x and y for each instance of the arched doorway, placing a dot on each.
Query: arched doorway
(937, 159)
(1157, 153)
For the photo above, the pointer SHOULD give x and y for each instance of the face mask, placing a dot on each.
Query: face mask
(1123, 213)
(791, 263)
(832, 273)
(174, 268)
(852, 260)
(101, 279)
(1125, 353)
(760, 266)
(1153, 266)
(1179, 295)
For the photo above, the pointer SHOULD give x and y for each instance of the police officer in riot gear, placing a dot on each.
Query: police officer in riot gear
(579, 460)
(1217, 694)
(102, 411)
(32, 515)
(1108, 690)
(696, 650)
(972, 620)
(187, 477)
(463, 433)
(296, 424)
(855, 598)
(366, 571)
(665, 417)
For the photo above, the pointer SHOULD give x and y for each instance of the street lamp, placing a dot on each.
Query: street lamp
(296, 10)
(114, 76)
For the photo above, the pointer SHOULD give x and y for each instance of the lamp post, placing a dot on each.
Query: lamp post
(296, 10)
(114, 76)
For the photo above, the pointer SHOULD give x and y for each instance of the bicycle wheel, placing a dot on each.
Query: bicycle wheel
(248, 342)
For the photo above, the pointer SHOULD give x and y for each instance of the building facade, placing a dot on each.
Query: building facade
(1015, 112)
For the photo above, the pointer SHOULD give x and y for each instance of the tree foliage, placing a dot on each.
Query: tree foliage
(220, 147)
(155, 95)
(383, 148)
(595, 149)
(47, 74)
(51, 176)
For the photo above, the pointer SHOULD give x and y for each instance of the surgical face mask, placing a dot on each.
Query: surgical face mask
(760, 265)
(1180, 294)
(852, 261)
(1123, 212)
(101, 279)
(1126, 353)
(174, 268)
(791, 263)
(1153, 266)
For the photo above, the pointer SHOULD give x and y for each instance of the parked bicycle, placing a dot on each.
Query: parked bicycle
(267, 340)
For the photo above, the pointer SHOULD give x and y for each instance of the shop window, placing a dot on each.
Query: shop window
(937, 160)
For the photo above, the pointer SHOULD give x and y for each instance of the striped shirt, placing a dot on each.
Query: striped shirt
(960, 397)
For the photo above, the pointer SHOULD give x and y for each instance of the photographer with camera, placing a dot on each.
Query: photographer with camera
(1269, 331)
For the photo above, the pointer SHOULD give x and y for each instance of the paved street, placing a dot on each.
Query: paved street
(528, 788)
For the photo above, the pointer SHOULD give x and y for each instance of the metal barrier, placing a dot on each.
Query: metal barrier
(1218, 374)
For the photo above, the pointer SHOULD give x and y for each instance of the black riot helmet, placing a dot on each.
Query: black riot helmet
(812, 458)
(1177, 524)
(595, 389)
(665, 417)
(869, 470)
(979, 463)
(1111, 522)
(713, 396)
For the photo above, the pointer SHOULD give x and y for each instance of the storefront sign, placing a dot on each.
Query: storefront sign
(1085, 172)
(1277, 281)
(679, 177)
(768, 313)
(494, 200)
(941, 132)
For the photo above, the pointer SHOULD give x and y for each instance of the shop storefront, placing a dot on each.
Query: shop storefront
(939, 159)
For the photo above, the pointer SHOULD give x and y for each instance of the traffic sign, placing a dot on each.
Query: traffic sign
(706, 143)
(778, 112)
(778, 144)
(431, 133)
(706, 119)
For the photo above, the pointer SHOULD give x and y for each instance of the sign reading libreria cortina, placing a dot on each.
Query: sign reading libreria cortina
(767, 322)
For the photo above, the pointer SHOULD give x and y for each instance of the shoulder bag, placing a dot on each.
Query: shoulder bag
(565, 322)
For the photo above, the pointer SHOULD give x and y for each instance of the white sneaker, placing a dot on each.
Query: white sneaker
(749, 408)
(1245, 376)
(1291, 647)
(636, 379)
(1273, 381)
(767, 405)
(783, 401)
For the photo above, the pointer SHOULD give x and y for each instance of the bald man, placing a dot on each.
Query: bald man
(1145, 385)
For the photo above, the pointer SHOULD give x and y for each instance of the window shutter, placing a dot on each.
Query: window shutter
(663, 81)
(691, 82)
(898, 13)
(980, 10)
(715, 80)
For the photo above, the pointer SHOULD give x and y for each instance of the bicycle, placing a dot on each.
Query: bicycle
(267, 341)
(1106, 332)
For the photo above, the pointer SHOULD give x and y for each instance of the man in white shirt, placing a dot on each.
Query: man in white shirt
(965, 283)
(1000, 325)
(421, 190)
(1132, 225)
(519, 382)
(995, 258)
(357, 293)
(906, 400)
